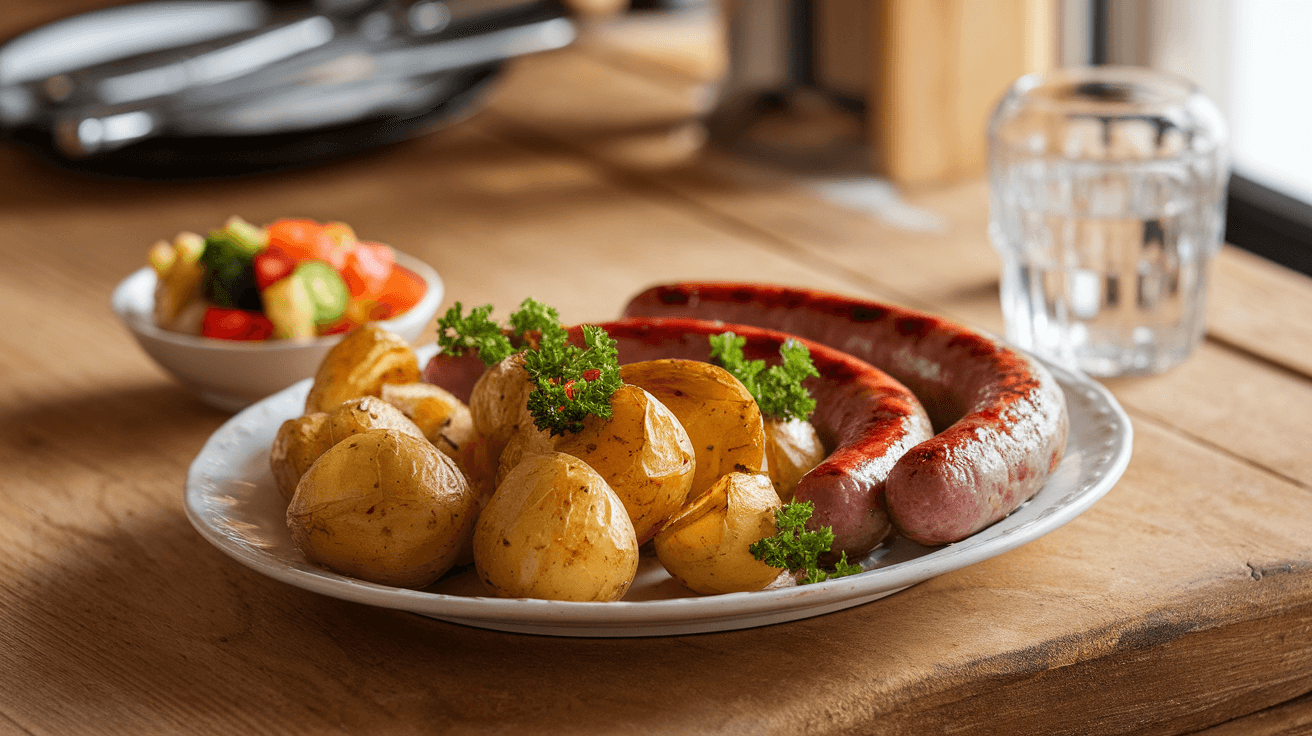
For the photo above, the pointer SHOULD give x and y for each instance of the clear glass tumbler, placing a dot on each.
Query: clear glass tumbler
(1107, 188)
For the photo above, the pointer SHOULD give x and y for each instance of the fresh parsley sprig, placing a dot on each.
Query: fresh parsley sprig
(534, 315)
(778, 389)
(457, 333)
(796, 549)
(571, 383)
(480, 333)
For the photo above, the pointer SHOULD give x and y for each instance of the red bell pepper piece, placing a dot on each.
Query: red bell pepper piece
(261, 327)
(271, 265)
(235, 324)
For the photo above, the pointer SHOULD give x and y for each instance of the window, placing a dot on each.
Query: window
(1254, 59)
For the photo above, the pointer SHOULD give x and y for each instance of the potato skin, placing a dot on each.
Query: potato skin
(705, 546)
(359, 365)
(498, 403)
(643, 453)
(792, 449)
(526, 442)
(297, 445)
(555, 530)
(719, 414)
(302, 440)
(447, 423)
(365, 413)
(385, 507)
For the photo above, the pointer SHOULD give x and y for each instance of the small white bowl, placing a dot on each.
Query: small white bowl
(232, 374)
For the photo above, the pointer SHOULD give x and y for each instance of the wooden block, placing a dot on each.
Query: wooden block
(941, 67)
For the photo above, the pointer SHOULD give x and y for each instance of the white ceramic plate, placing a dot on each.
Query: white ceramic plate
(231, 499)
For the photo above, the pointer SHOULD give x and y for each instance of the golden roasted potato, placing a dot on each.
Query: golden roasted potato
(719, 414)
(792, 449)
(447, 423)
(705, 546)
(444, 419)
(301, 441)
(498, 403)
(359, 365)
(383, 506)
(297, 445)
(365, 413)
(527, 441)
(643, 453)
(555, 530)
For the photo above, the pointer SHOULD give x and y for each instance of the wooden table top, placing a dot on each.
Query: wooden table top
(1180, 603)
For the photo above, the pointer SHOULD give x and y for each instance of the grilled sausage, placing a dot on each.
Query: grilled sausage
(455, 374)
(1000, 415)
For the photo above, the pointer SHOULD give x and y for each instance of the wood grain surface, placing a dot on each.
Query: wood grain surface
(1180, 603)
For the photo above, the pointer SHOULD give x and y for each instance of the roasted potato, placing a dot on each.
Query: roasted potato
(365, 413)
(554, 529)
(359, 365)
(705, 546)
(792, 449)
(446, 421)
(297, 445)
(301, 441)
(527, 441)
(498, 403)
(718, 413)
(385, 507)
(643, 453)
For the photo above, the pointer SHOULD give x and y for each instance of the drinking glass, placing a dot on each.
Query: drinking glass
(1107, 205)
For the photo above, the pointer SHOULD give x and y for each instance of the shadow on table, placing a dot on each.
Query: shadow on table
(107, 431)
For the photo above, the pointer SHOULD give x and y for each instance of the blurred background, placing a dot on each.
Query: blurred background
(899, 90)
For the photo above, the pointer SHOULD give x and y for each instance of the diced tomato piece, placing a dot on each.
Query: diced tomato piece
(367, 267)
(272, 264)
(402, 290)
(297, 238)
(235, 324)
(334, 242)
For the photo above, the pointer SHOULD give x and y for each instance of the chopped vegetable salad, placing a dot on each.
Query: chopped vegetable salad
(293, 278)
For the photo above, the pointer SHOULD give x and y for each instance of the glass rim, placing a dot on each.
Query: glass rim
(1109, 88)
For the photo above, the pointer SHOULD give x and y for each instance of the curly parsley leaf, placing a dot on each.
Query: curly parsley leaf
(778, 389)
(534, 315)
(571, 383)
(796, 549)
(457, 333)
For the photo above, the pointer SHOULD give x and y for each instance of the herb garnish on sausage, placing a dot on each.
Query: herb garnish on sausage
(778, 389)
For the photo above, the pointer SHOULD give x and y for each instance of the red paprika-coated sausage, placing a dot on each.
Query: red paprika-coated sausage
(1000, 415)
